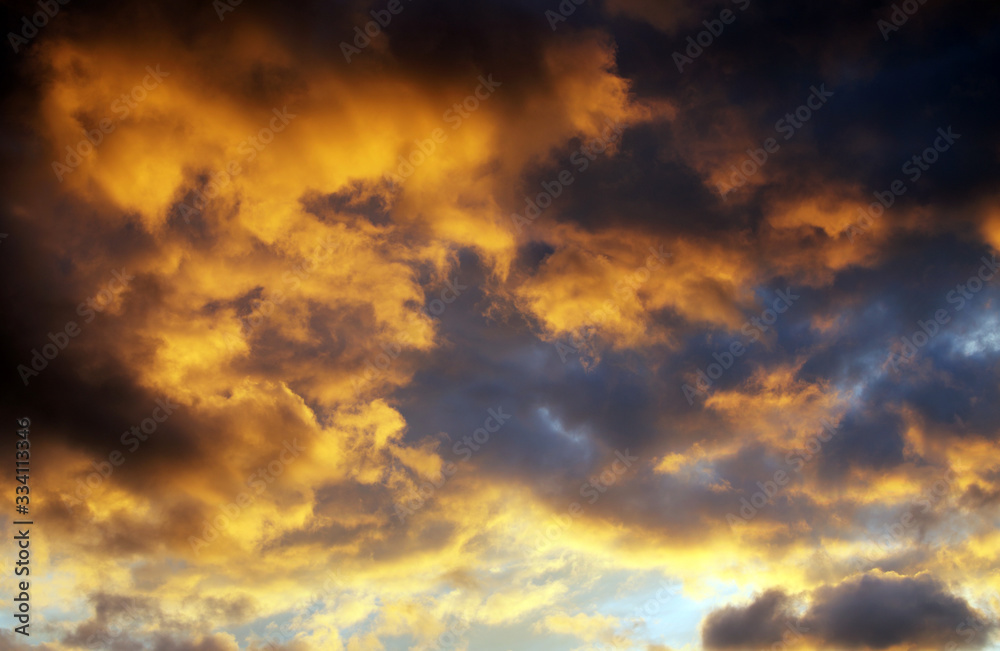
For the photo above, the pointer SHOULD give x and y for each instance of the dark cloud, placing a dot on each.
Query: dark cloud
(759, 624)
(874, 611)
(878, 612)
(214, 642)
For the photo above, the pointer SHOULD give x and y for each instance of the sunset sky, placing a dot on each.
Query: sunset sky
(513, 325)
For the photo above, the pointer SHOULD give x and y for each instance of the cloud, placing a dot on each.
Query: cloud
(296, 233)
(759, 624)
(871, 611)
(879, 612)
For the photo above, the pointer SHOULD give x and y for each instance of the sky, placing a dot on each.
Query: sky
(636, 325)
